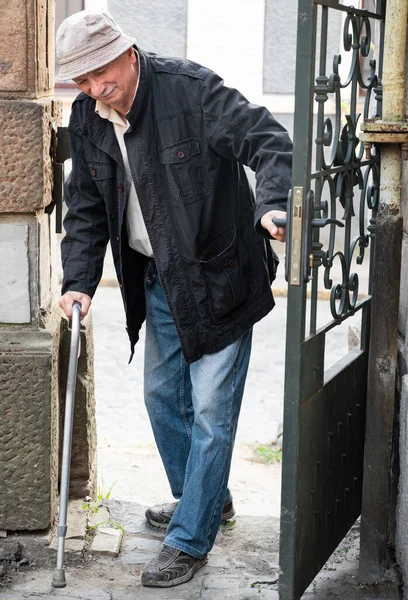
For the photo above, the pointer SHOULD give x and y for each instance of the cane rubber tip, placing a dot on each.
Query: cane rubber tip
(58, 580)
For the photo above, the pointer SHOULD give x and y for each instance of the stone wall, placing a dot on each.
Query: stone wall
(28, 443)
(83, 457)
(31, 364)
(26, 48)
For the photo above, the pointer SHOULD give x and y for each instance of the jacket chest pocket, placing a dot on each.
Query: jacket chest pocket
(184, 170)
(104, 176)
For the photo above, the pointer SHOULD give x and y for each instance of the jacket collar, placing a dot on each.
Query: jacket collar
(140, 100)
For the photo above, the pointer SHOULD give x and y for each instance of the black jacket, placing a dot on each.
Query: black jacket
(188, 139)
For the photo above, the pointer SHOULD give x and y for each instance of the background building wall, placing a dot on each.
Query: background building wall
(157, 25)
(280, 44)
(227, 37)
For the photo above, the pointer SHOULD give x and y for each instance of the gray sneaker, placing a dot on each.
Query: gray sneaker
(160, 514)
(171, 567)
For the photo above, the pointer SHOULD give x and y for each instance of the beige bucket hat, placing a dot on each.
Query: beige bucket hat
(89, 40)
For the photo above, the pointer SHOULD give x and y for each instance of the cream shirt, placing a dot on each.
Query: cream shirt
(136, 228)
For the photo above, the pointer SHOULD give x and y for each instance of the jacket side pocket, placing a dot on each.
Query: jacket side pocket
(223, 274)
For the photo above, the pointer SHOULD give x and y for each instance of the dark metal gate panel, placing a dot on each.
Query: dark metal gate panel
(324, 410)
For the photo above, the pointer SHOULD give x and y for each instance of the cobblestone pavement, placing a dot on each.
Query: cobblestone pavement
(244, 562)
(242, 566)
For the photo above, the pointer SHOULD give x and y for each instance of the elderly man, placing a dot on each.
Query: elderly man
(158, 147)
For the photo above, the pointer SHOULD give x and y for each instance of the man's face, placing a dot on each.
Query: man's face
(113, 84)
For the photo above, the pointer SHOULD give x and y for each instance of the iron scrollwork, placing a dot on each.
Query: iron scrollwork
(346, 175)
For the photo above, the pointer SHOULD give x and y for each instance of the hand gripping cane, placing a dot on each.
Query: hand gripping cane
(58, 580)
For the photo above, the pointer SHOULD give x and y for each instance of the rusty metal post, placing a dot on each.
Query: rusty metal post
(377, 521)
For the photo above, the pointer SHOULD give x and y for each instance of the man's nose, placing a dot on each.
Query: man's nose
(97, 89)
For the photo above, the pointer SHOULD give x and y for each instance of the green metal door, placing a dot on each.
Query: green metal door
(334, 178)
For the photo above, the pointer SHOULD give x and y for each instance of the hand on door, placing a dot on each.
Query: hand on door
(278, 233)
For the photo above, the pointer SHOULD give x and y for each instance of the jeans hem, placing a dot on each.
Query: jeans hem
(184, 548)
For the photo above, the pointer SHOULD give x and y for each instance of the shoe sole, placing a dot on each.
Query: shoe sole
(225, 517)
(152, 583)
(156, 524)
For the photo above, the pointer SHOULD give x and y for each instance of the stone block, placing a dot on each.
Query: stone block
(26, 139)
(98, 515)
(76, 521)
(83, 455)
(234, 588)
(47, 275)
(14, 274)
(139, 551)
(132, 518)
(28, 435)
(218, 562)
(39, 278)
(26, 47)
(107, 541)
(72, 546)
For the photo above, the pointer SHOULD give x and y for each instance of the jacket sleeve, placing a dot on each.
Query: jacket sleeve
(84, 245)
(250, 134)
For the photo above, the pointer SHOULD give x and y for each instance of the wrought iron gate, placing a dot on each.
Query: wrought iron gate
(335, 183)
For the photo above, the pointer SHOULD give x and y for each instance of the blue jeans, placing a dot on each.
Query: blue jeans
(193, 410)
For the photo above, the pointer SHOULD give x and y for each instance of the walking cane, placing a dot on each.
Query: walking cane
(58, 580)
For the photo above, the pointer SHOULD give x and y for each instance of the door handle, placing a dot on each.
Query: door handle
(282, 222)
(310, 223)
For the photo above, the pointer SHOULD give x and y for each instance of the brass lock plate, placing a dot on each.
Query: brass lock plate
(296, 236)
